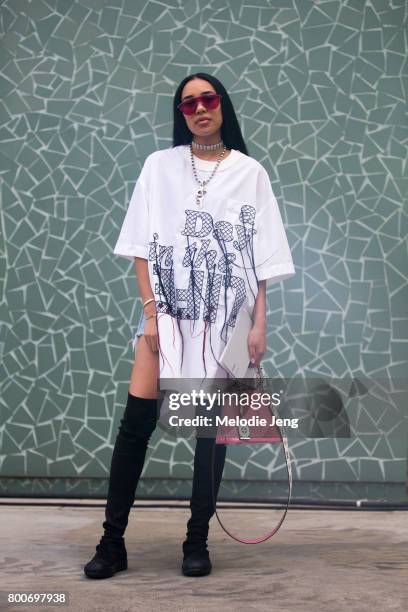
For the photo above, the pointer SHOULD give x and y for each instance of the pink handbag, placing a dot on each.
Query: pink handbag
(255, 432)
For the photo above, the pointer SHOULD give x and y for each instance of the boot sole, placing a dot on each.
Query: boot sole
(196, 572)
(107, 574)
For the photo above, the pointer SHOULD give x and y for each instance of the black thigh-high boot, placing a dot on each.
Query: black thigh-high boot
(136, 426)
(128, 457)
(196, 560)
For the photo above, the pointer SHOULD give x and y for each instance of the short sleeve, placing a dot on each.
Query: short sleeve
(133, 239)
(273, 259)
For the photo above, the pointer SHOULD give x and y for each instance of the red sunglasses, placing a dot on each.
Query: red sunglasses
(210, 101)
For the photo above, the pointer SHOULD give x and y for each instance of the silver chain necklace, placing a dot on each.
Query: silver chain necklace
(201, 191)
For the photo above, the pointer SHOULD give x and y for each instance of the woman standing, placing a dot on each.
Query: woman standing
(205, 232)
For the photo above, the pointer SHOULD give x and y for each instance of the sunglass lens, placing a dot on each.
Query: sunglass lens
(211, 101)
(188, 107)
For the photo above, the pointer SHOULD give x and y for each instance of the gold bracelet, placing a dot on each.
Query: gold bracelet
(148, 302)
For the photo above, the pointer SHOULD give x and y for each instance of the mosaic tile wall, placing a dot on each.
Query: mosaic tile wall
(320, 88)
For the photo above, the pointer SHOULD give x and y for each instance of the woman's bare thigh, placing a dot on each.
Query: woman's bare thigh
(145, 371)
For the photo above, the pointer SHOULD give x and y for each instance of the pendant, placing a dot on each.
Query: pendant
(199, 197)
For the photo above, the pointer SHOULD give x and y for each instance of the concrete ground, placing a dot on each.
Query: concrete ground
(320, 560)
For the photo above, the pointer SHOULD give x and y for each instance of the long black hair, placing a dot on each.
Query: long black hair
(230, 130)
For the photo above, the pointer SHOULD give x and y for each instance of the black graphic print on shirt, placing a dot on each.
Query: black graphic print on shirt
(212, 271)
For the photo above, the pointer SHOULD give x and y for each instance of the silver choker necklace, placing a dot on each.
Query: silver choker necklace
(207, 147)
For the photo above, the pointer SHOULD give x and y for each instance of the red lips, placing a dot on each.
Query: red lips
(202, 119)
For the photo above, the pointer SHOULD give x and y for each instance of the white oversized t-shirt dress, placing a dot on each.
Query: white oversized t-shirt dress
(203, 262)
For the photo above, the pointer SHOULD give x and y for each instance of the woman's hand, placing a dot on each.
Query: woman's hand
(257, 344)
(150, 333)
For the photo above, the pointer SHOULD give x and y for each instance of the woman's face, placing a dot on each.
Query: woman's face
(198, 87)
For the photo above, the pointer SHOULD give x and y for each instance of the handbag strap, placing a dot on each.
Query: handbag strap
(275, 529)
